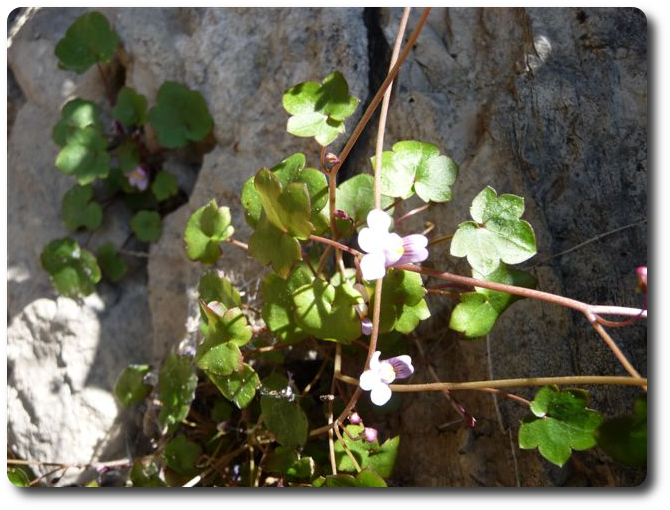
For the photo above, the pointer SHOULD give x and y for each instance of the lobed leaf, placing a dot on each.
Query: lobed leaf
(75, 115)
(205, 229)
(147, 226)
(625, 438)
(130, 387)
(181, 455)
(379, 458)
(131, 108)
(164, 186)
(176, 383)
(284, 417)
(271, 246)
(79, 210)
(73, 270)
(278, 306)
(238, 387)
(88, 41)
(355, 196)
(84, 155)
(402, 306)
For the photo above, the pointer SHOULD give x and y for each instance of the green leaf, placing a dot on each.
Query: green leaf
(369, 478)
(131, 108)
(402, 305)
(280, 459)
(319, 110)
(278, 307)
(75, 115)
(146, 474)
(285, 419)
(205, 229)
(111, 263)
(218, 358)
(625, 438)
(271, 246)
(478, 311)
(89, 40)
(18, 477)
(74, 271)
(380, 458)
(147, 226)
(230, 327)
(290, 170)
(339, 481)
(238, 387)
(326, 309)
(355, 196)
(164, 186)
(84, 155)
(180, 116)
(213, 287)
(560, 422)
(130, 387)
(78, 210)
(176, 382)
(182, 454)
(287, 208)
(496, 235)
(417, 166)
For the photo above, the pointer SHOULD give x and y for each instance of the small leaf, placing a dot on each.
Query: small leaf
(271, 246)
(368, 478)
(402, 305)
(205, 229)
(89, 40)
(319, 110)
(355, 196)
(74, 271)
(417, 166)
(111, 263)
(182, 454)
(180, 116)
(84, 155)
(285, 419)
(380, 458)
(496, 235)
(164, 186)
(560, 422)
(79, 210)
(238, 387)
(478, 311)
(128, 155)
(291, 170)
(326, 309)
(625, 438)
(130, 387)
(131, 108)
(218, 358)
(147, 226)
(18, 477)
(176, 382)
(75, 115)
(288, 209)
(279, 308)
(213, 287)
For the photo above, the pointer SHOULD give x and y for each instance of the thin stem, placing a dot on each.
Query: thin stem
(108, 91)
(440, 239)
(514, 383)
(379, 95)
(412, 213)
(612, 345)
(237, 243)
(335, 244)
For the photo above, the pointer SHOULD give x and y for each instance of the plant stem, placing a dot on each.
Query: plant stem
(378, 96)
(334, 244)
(514, 383)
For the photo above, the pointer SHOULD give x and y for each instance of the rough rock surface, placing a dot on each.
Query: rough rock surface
(549, 104)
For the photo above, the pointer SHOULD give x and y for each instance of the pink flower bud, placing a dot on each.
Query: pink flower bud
(355, 418)
(370, 434)
(641, 273)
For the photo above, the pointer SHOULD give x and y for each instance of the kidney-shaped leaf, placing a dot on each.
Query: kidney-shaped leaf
(89, 40)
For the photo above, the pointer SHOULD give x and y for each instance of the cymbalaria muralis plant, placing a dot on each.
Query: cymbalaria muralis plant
(338, 277)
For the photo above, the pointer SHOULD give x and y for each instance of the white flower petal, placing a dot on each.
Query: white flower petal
(380, 394)
(371, 240)
(374, 361)
(368, 380)
(379, 220)
(393, 249)
(373, 266)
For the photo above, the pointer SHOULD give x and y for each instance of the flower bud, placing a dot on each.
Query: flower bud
(370, 434)
(355, 418)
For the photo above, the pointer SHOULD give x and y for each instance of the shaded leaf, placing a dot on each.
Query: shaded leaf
(146, 474)
(147, 226)
(89, 40)
(131, 107)
(285, 419)
(128, 155)
(181, 455)
(176, 382)
(213, 287)
(79, 210)
(625, 438)
(130, 387)
(113, 266)
(279, 309)
(73, 270)
(402, 305)
(271, 246)
(356, 197)
(238, 387)
(180, 116)
(164, 186)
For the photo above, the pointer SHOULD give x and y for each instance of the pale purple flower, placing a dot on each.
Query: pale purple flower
(366, 326)
(370, 434)
(376, 380)
(139, 178)
(384, 249)
(355, 418)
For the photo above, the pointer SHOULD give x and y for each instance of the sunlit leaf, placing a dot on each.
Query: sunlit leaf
(271, 246)
(84, 155)
(205, 229)
(379, 458)
(238, 387)
(130, 387)
(73, 270)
